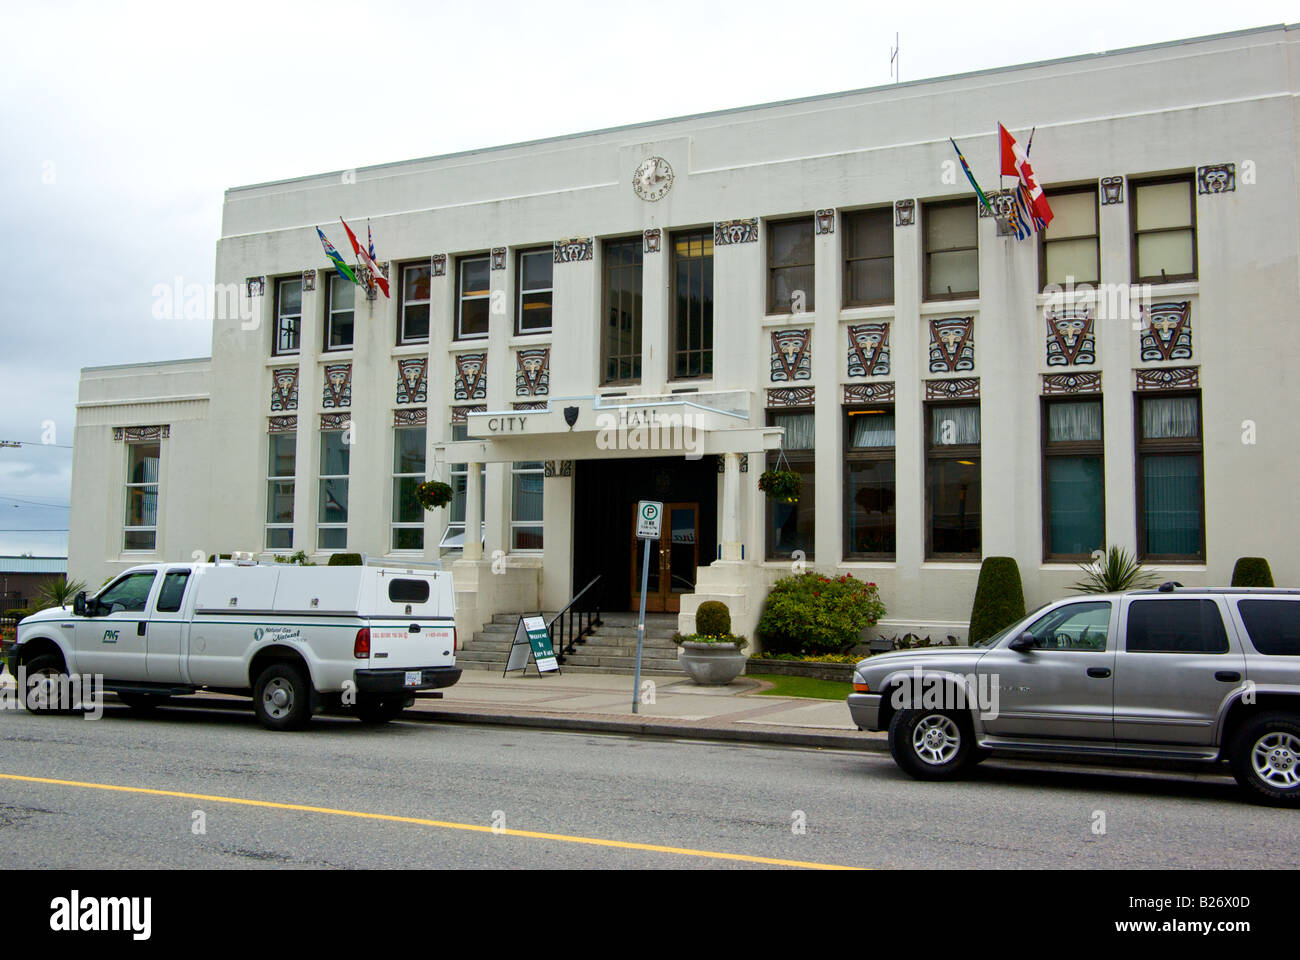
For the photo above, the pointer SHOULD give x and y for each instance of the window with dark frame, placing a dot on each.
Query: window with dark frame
(408, 474)
(288, 315)
(1069, 249)
(1162, 213)
(621, 330)
(790, 525)
(414, 313)
(1170, 478)
(870, 523)
(692, 326)
(281, 466)
(1074, 488)
(951, 237)
(332, 513)
(868, 257)
(458, 476)
(473, 297)
(340, 312)
(143, 460)
(952, 481)
(791, 277)
(535, 291)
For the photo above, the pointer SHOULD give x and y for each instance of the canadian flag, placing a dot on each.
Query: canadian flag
(1015, 163)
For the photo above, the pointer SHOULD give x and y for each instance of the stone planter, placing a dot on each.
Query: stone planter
(712, 664)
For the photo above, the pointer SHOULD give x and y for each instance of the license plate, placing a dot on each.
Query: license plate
(413, 678)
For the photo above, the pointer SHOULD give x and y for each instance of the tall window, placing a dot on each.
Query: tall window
(952, 265)
(340, 309)
(1069, 247)
(408, 473)
(473, 285)
(526, 506)
(288, 315)
(1170, 482)
(142, 460)
(1074, 502)
(454, 537)
(869, 492)
(790, 525)
(281, 465)
(790, 274)
(952, 469)
(692, 329)
(1163, 213)
(621, 331)
(414, 315)
(535, 291)
(332, 515)
(868, 257)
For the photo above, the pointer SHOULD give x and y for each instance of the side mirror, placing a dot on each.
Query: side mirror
(79, 604)
(1023, 643)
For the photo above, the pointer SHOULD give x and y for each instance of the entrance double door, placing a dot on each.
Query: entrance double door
(673, 559)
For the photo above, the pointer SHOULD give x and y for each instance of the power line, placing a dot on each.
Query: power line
(37, 503)
(30, 443)
(33, 529)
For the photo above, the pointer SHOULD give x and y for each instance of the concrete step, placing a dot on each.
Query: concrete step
(570, 668)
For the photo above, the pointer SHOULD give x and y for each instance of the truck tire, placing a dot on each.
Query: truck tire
(1265, 758)
(374, 709)
(932, 744)
(282, 697)
(46, 665)
(142, 702)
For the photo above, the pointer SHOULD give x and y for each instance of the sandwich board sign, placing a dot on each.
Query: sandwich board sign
(532, 639)
(649, 519)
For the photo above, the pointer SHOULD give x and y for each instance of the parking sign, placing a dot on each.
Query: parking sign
(649, 519)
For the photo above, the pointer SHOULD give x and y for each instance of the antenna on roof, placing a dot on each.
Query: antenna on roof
(894, 61)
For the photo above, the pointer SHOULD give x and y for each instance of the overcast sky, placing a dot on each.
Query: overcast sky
(121, 124)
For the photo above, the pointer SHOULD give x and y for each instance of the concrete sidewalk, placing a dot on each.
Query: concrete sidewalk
(678, 708)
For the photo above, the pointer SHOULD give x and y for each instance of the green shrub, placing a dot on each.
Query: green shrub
(740, 642)
(1252, 572)
(810, 614)
(713, 619)
(999, 598)
(345, 560)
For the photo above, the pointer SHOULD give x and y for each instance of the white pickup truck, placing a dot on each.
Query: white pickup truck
(299, 640)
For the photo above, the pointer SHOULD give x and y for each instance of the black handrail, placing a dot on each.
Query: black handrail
(586, 617)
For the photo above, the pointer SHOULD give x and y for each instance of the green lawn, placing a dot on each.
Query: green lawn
(802, 687)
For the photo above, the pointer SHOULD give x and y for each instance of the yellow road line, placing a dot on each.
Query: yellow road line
(443, 824)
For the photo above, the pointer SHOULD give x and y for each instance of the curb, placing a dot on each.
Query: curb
(652, 728)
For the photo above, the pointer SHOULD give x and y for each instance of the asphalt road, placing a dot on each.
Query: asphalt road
(712, 805)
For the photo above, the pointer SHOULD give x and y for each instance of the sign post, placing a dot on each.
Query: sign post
(532, 639)
(649, 523)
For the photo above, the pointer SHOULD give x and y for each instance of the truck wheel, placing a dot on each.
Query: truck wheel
(49, 675)
(1265, 758)
(282, 697)
(143, 702)
(932, 744)
(376, 709)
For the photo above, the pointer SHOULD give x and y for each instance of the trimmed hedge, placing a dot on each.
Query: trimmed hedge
(1252, 572)
(810, 613)
(999, 598)
(345, 560)
(713, 619)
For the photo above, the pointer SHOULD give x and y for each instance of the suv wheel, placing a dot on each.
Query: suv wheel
(1266, 758)
(932, 744)
(282, 697)
(46, 679)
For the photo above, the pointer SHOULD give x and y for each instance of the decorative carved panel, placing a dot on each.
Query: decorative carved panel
(868, 349)
(337, 388)
(498, 258)
(412, 380)
(1054, 383)
(825, 221)
(284, 389)
(1168, 378)
(471, 377)
(461, 414)
(557, 468)
(411, 417)
(335, 421)
(1216, 178)
(952, 345)
(531, 405)
(439, 264)
(156, 432)
(958, 388)
(791, 355)
(726, 232)
(1112, 190)
(905, 213)
(533, 372)
(1166, 331)
(653, 239)
(881, 391)
(791, 397)
(573, 250)
(1070, 338)
(255, 286)
(744, 463)
(308, 280)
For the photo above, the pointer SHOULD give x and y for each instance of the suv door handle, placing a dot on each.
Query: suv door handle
(1101, 673)
(1227, 676)
(139, 629)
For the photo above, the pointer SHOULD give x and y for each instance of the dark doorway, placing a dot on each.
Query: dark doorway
(604, 499)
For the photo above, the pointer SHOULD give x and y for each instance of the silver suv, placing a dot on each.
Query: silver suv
(1173, 673)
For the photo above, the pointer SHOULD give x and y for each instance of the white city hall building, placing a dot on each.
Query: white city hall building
(661, 311)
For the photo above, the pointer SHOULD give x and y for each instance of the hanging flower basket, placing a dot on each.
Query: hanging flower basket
(783, 486)
(433, 494)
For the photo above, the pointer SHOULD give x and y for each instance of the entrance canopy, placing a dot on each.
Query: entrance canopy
(583, 428)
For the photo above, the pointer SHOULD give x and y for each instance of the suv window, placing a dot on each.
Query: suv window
(1076, 626)
(129, 594)
(1175, 626)
(172, 592)
(1273, 625)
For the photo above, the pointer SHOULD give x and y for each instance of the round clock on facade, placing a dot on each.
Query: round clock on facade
(653, 178)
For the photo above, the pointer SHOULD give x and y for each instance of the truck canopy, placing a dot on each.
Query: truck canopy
(352, 591)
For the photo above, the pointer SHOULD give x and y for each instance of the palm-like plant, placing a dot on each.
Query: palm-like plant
(1117, 570)
(57, 593)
